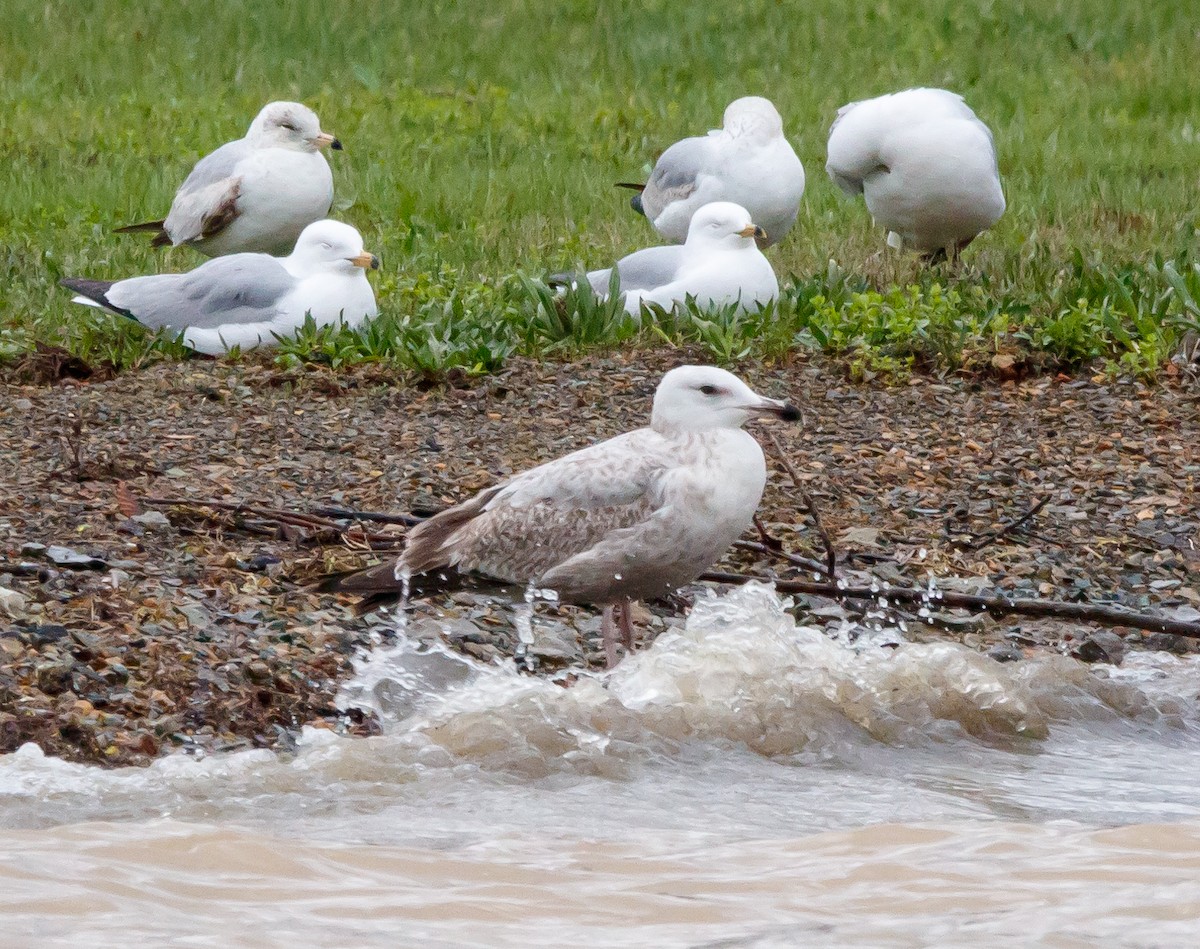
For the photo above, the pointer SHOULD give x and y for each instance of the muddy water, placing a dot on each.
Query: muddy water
(744, 782)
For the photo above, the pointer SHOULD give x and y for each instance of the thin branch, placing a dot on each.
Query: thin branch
(993, 605)
(1004, 529)
(811, 508)
(343, 513)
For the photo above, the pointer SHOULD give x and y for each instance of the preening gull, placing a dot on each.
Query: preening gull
(719, 264)
(634, 517)
(248, 300)
(254, 195)
(747, 161)
(926, 165)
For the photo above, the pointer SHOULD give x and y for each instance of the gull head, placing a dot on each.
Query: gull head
(753, 117)
(723, 224)
(290, 125)
(332, 246)
(700, 398)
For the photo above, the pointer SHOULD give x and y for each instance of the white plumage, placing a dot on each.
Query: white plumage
(747, 161)
(248, 300)
(256, 194)
(925, 164)
(634, 517)
(719, 264)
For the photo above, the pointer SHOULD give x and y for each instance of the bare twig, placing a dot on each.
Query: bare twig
(1004, 529)
(343, 513)
(830, 568)
(993, 605)
(779, 553)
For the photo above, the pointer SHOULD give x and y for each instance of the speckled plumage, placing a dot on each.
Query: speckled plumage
(634, 517)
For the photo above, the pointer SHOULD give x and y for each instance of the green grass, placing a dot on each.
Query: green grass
(482, 142)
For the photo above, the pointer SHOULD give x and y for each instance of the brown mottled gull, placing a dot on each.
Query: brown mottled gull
(634, 517)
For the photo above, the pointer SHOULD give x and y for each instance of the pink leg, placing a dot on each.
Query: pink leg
(627, 624)
(608, 633)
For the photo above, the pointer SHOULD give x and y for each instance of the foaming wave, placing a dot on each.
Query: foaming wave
(743, 671)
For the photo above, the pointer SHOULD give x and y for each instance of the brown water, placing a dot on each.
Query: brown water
(744, 783)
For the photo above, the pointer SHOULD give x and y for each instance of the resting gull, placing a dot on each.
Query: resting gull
(634, 517)
(255, 194)
(719, 264)
(747, 161)
(926, 165)
(247, 300)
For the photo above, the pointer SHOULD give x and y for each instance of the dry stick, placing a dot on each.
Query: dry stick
(994, 605)
(1004, 529)
(345, 513)
(830, 553)
(780, 554)
(282, 517)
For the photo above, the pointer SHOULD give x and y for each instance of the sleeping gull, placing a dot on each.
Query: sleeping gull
(747, 161)
(255, 194)
(926, 165)
(247, 300)
(719, 264)
(634, 517)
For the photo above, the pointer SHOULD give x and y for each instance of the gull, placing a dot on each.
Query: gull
(925, 164)
(255, 194)
(634, 517)
(248, 300)
(747, 161)
(720, 264)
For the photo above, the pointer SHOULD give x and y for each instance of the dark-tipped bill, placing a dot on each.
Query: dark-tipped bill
(784, 410)
(325, 140)
(753, 230)
(365, 260)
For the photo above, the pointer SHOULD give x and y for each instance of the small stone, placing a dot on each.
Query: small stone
(33, 548)
(73, 559)
(1006, 652)
(22, 405)
(12, 603)
(1101, 646)
(152, 519)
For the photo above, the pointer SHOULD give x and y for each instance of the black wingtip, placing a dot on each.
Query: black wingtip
(636, 203)
(789, 413)
(96, 290)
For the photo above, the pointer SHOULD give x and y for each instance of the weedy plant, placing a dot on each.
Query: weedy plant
(474, 156)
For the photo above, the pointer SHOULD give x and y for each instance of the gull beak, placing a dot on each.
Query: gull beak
(783, 410)
(753, 230)
(325, 140)
(365, 260)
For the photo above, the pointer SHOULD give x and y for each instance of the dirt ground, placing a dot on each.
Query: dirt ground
(161, 626)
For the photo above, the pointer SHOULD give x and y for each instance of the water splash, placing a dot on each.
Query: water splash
(404, 575)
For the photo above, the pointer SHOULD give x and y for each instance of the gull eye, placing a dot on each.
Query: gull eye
(289, 126)
(327, 245)
(710, 390)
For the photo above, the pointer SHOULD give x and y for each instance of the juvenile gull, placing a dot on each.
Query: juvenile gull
(747, 161)
(247, 300)
(255, 194)
(925, 164)
(718, 265)
(634, 517)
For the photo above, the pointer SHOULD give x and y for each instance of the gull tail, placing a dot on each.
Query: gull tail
(95, 293)
(161, 238)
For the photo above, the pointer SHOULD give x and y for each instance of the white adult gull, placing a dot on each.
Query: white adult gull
(634, 517)
(719, 264)
(248, 300)
(748, 161)
(255, 194)
(925, 164)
